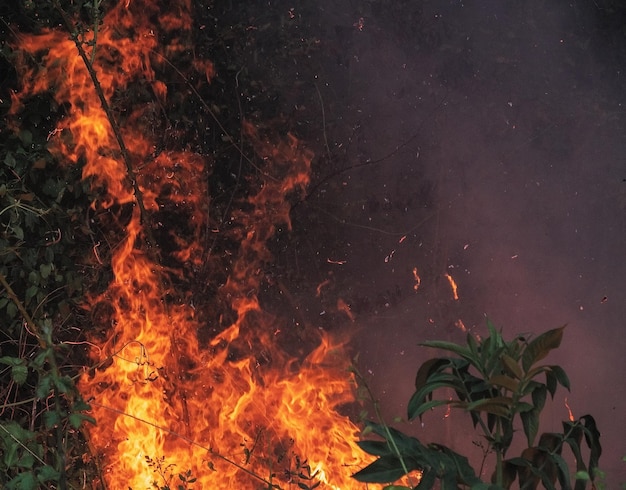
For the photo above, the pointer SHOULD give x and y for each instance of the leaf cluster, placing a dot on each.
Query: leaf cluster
(44, 234)
(497, 383)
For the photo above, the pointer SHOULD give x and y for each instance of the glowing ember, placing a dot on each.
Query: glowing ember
(239, 409)
(453, 285)
(417, 279)
(569, 411)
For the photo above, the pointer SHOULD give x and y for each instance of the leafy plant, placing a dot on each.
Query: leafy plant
(497, 383)
(167, 475)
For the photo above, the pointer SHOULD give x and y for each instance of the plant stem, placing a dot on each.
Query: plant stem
(111, 118)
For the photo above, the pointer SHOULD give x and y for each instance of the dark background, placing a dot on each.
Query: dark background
(491, 135)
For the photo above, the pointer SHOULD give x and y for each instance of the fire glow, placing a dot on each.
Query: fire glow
(235, 417)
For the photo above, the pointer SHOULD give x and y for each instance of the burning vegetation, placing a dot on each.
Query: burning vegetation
(187, 375)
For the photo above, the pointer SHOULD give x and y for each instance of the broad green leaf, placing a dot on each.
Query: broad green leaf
(563, 470)
(504, 381)
(427, 368)
(539, 347)
(417, 411)
(530, 423)
(551, 382)
(419, 397)
(539, 397)
(561, 376)
(511, 366)
(499, 406)
(463, 471)
(521, 407)
(592, 438)
(385, 469)
(376, 448)
(457, 349)
(396, 487)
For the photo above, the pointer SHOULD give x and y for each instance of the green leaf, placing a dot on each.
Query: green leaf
(419, 409)
(47, 474)
(19, 372)
(500, 406)
(51, 418)
(551, 382)
(563, 469)
(592, 438)
(539, 347)
(45, 270)
(77, 419)
(539, 395)
(64, 384)
(419, 397)
(511, 366)
(11, 310)
(23, 481)
(376, 448)
(44, 386)
(457, 349)
(504, 381)
(530, 423)
(11, 361)
(385, 469)
(18, 232)
(561, 376)
(427, 368)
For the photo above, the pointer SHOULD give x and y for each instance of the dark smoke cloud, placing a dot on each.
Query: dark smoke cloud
(493, 137)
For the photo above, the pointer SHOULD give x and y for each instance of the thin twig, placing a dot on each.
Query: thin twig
(111, 118)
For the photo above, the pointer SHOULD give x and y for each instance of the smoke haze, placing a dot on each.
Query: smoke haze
(485, 141)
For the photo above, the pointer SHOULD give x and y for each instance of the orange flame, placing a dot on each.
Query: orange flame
(238, 408)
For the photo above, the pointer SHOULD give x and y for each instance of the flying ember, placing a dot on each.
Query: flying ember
(235, 409)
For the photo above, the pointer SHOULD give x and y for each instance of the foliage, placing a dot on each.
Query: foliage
(497, 383)
(44, 233)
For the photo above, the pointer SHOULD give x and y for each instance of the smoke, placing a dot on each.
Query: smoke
(487, 142)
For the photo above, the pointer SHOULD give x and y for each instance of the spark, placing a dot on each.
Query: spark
(569, 411)
(417, 279)
(338, 262)
(322, 284)
(453, 285)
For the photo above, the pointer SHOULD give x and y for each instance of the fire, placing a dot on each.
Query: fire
(237, 410)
